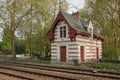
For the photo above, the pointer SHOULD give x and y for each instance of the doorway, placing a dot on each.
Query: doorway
(63, 53)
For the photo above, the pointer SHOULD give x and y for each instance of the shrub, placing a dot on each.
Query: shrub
(110, 54)
(76, 62)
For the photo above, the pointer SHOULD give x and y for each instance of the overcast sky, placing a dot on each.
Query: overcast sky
(78, 3)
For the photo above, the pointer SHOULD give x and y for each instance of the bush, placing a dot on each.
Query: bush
(110, 54)
(110, 61)
(20, 47)
(76, 62)
(107, 66)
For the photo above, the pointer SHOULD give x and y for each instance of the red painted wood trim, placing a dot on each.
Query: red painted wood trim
(72, 32)
(60, 17)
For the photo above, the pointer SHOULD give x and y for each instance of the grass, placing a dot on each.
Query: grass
(105, 66)
(25, 60)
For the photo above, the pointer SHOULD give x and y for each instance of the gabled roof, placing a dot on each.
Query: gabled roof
(79, 25)
(75, 26)
(74, 22)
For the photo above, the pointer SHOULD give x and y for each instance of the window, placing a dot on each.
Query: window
(63, 32)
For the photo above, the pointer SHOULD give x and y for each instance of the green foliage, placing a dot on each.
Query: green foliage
(109, 61)
(31, 20)
(4, 45)
(37, 24)
(6, 36)
(84, 13)
(105, 17)
(20, 47)
(107, 66)
(111, 54)
(6, 41)
(0, 46)
(76, 62)
(25, 60)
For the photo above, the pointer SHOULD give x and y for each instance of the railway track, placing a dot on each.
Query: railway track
(70, 70)
(15, 76)
(35, 73)
(23, 70)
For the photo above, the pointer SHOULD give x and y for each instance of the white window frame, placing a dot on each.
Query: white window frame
(64, 34)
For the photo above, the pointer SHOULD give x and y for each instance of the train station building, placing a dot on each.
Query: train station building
(73, 38)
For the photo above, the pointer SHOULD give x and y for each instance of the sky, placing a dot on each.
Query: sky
(78, 3)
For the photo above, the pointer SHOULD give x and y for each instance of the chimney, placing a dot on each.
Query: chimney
(76, 14)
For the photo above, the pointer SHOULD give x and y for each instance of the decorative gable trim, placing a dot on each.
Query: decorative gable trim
(71, 32)
(99, 37)
(59, 18)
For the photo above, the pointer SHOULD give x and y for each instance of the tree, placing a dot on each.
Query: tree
(106, 17)
(12, 13)
(27, 16)
(20, 47)
(36, 25)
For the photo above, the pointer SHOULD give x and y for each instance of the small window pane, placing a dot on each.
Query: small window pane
(64, 27)
(60, 28)
(61, 34)
(64, 33)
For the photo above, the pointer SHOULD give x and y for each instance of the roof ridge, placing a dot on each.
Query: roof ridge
(74, 22)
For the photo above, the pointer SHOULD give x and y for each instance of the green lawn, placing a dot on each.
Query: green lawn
(25, 60)
(105, 66)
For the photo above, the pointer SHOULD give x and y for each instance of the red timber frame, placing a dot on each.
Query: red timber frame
(72, 32)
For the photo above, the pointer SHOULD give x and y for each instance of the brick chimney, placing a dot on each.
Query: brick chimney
(77, 14)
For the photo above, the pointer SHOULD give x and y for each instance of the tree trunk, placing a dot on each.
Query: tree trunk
(13, 46)
(30, 44)
(30, 49)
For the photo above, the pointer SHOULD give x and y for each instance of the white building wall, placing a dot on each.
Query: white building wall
(90, 53)
(53, 51)
(73, 48)
(72, 51)
(58, 42)
(99, 45)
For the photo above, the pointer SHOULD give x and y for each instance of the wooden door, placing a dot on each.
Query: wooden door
(63, 53)
(82, 53)
(97, 52)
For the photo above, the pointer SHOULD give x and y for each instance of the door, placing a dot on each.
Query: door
(82, 53)
(63, 53)
(97, 53)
